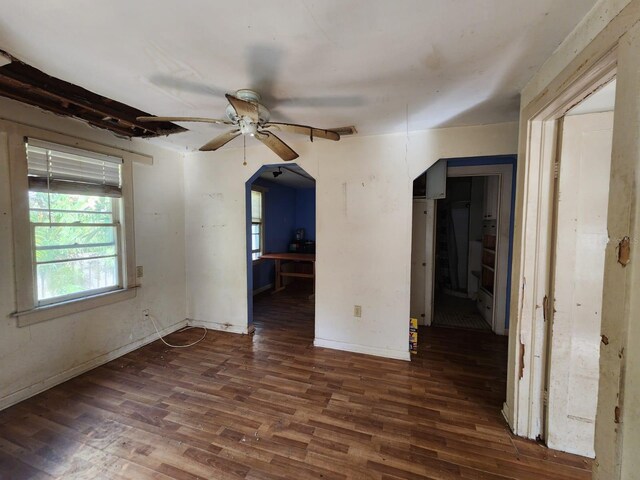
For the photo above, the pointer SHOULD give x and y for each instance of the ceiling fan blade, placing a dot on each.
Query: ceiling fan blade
(304, 130)
(184, 119)
(220, 140)
(284, 151)
(244, 108)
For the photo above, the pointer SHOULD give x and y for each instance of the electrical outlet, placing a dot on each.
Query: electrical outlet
(139, 271)
(357, 311)
(145, 313)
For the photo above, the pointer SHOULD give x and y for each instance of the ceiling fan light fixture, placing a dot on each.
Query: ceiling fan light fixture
(250, 117)
(247, 127)
(278, 173)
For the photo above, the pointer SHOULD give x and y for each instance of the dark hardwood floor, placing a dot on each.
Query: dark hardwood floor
(272, 406)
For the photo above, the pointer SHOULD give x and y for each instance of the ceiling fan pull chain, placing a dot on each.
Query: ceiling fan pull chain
(244, 150)
(311, 134)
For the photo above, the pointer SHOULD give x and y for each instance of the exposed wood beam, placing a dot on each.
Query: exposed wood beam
(27, 84)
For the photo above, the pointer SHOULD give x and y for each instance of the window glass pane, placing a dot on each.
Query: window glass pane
(72, 242)
(256, 206)
(73, 255)
(255, 242)
(67, 278)
(255, 228)
(69, 208)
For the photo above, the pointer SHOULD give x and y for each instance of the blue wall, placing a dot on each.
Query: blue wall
(285, 210)
(306, 212)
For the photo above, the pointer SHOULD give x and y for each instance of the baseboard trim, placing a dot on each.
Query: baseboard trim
(220, 327)
(355, 348)
(262, 289)
(36, 388)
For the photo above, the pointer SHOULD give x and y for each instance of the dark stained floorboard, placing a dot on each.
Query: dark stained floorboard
(271, 406)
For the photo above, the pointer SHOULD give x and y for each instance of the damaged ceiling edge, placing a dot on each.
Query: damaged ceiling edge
(24, 83)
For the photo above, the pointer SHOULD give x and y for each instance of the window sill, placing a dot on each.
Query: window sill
(49, 312)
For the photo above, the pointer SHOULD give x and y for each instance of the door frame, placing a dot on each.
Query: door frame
(247, 219)
(549, 307)
(526, 382)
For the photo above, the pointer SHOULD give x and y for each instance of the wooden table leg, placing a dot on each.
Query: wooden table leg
(312, 297)
(279, 285)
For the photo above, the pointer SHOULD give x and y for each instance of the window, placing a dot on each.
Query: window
(72, 207)
(257, 224)
(74, 213)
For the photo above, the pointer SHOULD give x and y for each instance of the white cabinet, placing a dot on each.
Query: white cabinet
(485, 306)
(491, 194)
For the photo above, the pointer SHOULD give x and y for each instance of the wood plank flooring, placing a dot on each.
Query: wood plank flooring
(271, 406)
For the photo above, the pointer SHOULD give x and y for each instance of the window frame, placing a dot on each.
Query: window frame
(262, 191)
(28, 311)
(119, 255)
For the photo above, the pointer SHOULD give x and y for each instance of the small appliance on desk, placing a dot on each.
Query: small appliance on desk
(300, 245)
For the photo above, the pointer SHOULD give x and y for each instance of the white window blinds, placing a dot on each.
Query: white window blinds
(58, 168)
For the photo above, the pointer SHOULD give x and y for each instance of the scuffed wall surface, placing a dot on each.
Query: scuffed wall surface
(35, 356)
(363, 222)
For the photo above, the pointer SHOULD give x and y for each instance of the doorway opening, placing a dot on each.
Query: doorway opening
(462, 243)
(579, 237)
(555, 350)
(465, 243)
(281, 234)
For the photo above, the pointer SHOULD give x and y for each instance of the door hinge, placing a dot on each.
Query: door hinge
(556, 170)
(545, 398)
(545, 307)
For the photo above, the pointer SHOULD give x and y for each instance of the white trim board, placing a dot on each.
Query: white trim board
(36, 388)
(355, 348)
(221, 327)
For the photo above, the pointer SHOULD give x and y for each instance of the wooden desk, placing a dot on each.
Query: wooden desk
(291, 257)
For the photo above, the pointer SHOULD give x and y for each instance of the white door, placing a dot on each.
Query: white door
(421, 303)
(581, 238)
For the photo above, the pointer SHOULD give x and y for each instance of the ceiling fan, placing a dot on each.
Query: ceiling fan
(250, 117)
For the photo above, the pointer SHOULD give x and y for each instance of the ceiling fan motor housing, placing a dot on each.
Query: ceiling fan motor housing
(247, 125)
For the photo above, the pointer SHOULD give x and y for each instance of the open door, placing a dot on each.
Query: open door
(577, 283)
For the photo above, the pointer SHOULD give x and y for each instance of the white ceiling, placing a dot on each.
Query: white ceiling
(381, 65)
(293, 176)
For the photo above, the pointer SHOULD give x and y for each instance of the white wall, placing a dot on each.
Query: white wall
(363, 215)
(36, 357)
